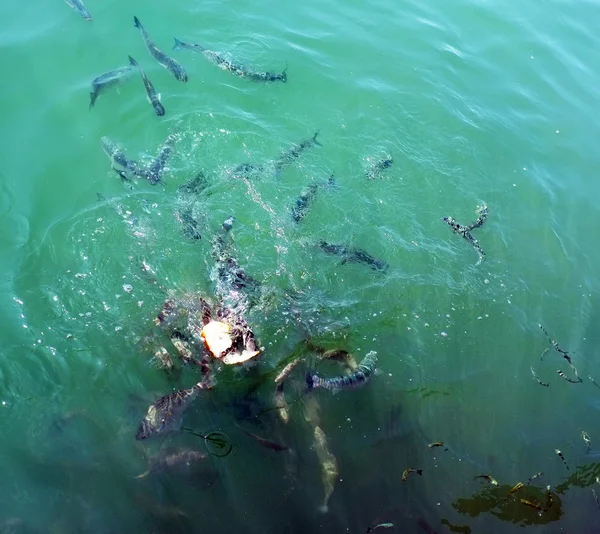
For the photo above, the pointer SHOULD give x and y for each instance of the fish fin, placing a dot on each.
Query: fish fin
(178, 44)
(149, 99)
(420, 472)
(159, 97)
(93, 97)
(284, 74)
(314, 139)
(137, 23)
(133, 62)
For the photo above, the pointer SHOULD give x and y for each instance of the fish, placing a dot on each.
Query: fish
(532, 505)
(586, 438)
(576, 380)
(302, 205)
(489, 478)
(286, 371)
(437, 444)
(109, 79)
(234, 68)
(409, 470)
(189, 223)
(380, 526)
(78, 6)
(375, 170)
(245, 170)
(593, 382)
(280, 404)
(353, 255)
(556, 346)
(465, 231)
(120, 162)
(173, 460)
(165, 414)
(536, 377)
(515, 488)
(195, 186)
(153, 96)
(167, 62)
(363, 372)
(532, 478)
(596, 497)
(164, 359)
(560, 454)
(329, 467)
(267, 443)
(156, 167)
(287, 157)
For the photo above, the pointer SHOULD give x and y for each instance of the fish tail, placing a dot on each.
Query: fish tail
(420, 472)
(314, 139)
(283, 76)
(137, 23)
(133, 62)
(93, 97)
(178, 44)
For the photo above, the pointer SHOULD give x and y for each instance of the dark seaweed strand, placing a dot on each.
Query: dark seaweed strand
(556, 345)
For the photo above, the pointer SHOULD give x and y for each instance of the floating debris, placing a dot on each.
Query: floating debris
(536, 377)
(409, 470)
(465, 231)
(560, 454)
(489, 478)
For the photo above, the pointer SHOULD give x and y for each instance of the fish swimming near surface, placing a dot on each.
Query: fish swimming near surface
(409, 470)
(329, 466)
(267, 443)
(489, 478)
(171, 460)
(195, 186)
(153, 172)
(107, 80)
(353, 255)
(380, 165)
(380, 526)
(287, 157)
(465, 231)
(363, 372)
(78, 6)
(153, 96)
(120, 162)
(586, 438)
(302, 205)
(234, 68)
(167, 62)
(165, 414)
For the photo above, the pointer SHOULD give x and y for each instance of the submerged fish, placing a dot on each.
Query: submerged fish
(355, 255)
(560, 455)
(533, 477)
(515, 488)
(307, 196)
(153, 96)
(489, 478)
(167, 62)
(556, 346)
(587, 439)
(596, 497)
(120, 162)
(78, 6)
(329, 467)
(156, 167)
(380, 526)
(357, 378)
(290, 155)
(173, 460)
(409, 470)
(221, 61)
(165, 414)
(195, 186)
(107, 80)
(375, 170)
(437, 444)
(267, 443)
(465, 231)
(537, 378)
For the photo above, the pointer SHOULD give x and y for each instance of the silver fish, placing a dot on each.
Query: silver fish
(287, 157)
(221, 61)
(375, 170)
(167, 62)
(173, 460)
(355, 255)
(157, 166)
(120, 162)
(153, 96)
(165, 414)
(107, 80)
(357, 378)
(307, 196)
(78, 6)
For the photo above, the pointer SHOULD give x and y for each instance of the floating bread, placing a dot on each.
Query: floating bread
(217, 338)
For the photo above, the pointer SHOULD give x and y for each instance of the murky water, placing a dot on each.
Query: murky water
(474, 103)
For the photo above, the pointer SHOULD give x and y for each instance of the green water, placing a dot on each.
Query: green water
(476, 103)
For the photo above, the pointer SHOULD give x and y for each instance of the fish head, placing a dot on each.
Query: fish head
(155, 422)
(158, 107)
(109, 147)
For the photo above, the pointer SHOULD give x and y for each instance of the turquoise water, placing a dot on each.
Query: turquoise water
(475, 102)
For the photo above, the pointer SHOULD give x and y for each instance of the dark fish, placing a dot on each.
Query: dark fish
(437, 444)
(576, 380)
(290, 155)
(307, 196)
(107, 80)
(190, 225)
(120, 162)
(465, 231)
(377, 167)
(536, 377)
(167, 62)
(78, 6)
(355, 255)
(586, 438)
(532, 478)
(556, 346)
(245, 170)
(560, 454)
(195, 186)
(489, 478)
(410, 470)
(234, 68)
(173, 461)
(596, 497)
(165, 414)
(267, 443)
(357, 378)
(154, 171)
(153, 96)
